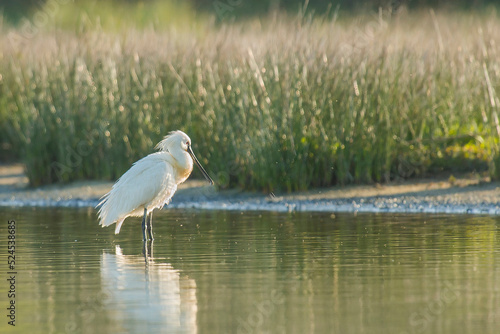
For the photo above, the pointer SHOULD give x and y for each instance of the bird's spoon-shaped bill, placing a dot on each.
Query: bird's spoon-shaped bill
(203, 171)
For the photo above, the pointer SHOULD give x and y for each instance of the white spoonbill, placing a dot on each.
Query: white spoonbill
(150, 183)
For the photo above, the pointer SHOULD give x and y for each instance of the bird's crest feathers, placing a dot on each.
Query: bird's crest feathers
(170, 139)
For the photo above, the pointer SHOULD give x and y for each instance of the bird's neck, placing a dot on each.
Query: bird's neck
(184, 166)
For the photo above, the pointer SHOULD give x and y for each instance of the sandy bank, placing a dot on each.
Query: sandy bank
(470, 194)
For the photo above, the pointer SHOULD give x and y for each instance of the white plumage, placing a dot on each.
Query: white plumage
(150, 183)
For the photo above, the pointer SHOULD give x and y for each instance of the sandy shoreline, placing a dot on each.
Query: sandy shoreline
(469, 194)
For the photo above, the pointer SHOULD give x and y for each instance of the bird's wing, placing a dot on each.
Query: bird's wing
(139, 186)
(166, 185)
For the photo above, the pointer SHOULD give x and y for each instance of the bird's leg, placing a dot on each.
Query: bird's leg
(145, 250)
(150, 226)
(150, 249)
(144, 224)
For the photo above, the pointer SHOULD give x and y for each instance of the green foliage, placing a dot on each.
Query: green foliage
(111, 15)
(285, 104)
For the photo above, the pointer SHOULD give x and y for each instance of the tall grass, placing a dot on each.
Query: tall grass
(277, 104)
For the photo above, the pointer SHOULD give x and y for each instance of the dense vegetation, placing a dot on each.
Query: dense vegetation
(15, 10)
(279, 103)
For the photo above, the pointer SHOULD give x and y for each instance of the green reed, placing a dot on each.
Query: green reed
(285, 104)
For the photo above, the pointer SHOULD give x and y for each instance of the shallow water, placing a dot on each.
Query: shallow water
(251, 272)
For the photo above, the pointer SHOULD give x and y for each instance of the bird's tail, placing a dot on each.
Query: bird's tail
(109, 213)
(106, 217)
(119, 225)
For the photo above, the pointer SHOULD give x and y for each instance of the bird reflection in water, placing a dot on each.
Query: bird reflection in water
(156, 297)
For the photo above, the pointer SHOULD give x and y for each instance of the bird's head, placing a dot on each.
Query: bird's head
(173, 141)
(177, 141)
